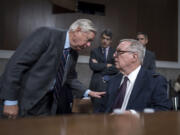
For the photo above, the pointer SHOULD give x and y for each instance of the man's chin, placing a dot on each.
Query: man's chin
(117, 66)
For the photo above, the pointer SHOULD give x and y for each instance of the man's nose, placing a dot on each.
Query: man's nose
(114, 55)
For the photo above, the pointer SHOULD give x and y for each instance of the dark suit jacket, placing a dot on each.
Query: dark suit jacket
(99, 70)
(149, 61)
(149, 91)
(31, 71)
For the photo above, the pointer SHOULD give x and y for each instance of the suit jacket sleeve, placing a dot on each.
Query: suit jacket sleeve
(96, 67)
(153, 62)
(149, 60)
(160, 101)
(25, 56)
(78, 89)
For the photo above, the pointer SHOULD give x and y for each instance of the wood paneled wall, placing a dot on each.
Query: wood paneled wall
(158, 18)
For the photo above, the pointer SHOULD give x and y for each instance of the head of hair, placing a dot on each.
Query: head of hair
(142, 33)
(107, 32)
(136, 47)
(86, 25)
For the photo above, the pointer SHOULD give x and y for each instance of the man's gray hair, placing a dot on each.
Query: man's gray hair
(86, 25)
(137, 47)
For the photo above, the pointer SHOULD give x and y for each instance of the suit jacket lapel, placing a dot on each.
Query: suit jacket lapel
(72, 58)
(60, 46)
(109, 54)
(146, 58)
(101, 53)
(66, 68)
(113, 90)
(138, 86)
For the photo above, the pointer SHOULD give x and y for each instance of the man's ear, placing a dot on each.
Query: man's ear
(135, 56)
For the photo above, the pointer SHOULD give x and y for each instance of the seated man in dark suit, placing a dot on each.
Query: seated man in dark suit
(149, 58)
(135, 88)
(101, 63)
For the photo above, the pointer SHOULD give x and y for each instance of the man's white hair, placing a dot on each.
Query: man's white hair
(137, 47)
(86, 25)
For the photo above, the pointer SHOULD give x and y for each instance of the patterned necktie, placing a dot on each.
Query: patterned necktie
(104, 53)
(59, 92)
(121, 94)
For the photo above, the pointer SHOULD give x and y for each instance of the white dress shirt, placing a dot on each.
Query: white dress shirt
(106, 51)
(130, 84)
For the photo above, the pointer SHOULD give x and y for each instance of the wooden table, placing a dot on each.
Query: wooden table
(162, 123)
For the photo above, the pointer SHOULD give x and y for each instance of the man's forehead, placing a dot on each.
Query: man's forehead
(141, 35)
(106, 36)
(124, 44)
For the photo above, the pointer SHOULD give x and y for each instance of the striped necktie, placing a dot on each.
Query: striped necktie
(59, 91)
(104, 53)
(120, 94)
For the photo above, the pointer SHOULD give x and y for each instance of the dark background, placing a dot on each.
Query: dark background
(158, 18)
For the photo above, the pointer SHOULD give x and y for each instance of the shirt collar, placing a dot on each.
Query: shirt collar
(67, 42)
(133, 75)
(107, 48)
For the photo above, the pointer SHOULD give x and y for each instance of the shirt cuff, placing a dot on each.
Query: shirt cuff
(8, 102)
(86, 94)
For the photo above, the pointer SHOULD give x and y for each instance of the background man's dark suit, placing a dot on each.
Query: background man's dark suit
(1, 102)
(149, 91)
(149, 60)
(99, 70)
(31, 73)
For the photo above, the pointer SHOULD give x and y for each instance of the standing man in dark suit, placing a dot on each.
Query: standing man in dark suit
(102, 64)
(135, 88)
(149, 59)
(34, 83)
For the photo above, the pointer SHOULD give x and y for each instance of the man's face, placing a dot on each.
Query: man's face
(141, 38)
(105, 41)
(81, 40)
(123, 57)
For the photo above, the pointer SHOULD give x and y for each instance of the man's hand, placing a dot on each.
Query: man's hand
(94, 61)
(96, 94)
(11, 111)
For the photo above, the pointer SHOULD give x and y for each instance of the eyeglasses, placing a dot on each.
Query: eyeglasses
(119, 52)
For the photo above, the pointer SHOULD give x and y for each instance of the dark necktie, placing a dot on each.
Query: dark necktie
(120, 94)
(104, 53)
(59, 91)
